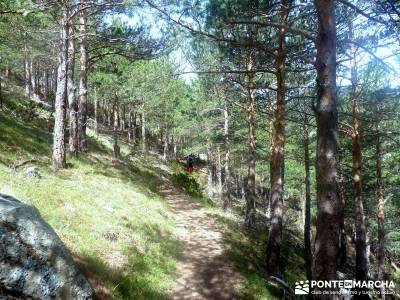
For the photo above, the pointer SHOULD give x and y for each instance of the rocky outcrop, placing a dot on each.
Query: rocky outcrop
(34, 262)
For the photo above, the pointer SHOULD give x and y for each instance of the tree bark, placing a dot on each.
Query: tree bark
(132, 127)
(380, 213)
(361, 239)
(219, 171)
(117, 151)
(341, 215)
(28, 86)
(108, 114)
(307, 218)
(166, 147)
(54, 88)
(250, 217)
(277, 156)
(32, 79)
(1, 94)
(123, 113)
(175, 147)
(59, 161)
(328, 229)
(83, 78)
(209, 171)
(96, 112)
(144, 146)
(71, 94)
(226, 187)
(46, 85)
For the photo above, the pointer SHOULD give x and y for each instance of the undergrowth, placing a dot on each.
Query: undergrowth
(109, 214)
(106, 211)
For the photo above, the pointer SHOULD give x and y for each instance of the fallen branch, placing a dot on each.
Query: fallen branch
(283, 284)
(24, 163)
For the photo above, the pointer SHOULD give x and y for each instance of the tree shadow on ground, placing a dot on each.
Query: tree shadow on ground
(18, 139)
(145, 180)
(141, 275)
(246, 250)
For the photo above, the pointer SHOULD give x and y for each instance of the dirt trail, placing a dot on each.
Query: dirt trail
(202, 270)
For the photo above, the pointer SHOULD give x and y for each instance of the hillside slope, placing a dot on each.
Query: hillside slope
(106, 211)
(117, 220)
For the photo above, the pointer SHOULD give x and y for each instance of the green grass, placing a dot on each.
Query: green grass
(245, 249)
(189, 183)
(109, 214)
(106, 211)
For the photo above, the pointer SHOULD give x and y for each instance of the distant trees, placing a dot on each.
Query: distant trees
(59, 155)
(278, 147)
(71, 15)
(327, 238)
(258, 40)
(275, 80)
(83, 75)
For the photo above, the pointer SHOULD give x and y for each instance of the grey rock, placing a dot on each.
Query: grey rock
(32, 172)
(34, 263)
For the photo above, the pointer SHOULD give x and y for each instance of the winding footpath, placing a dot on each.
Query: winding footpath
(203, 272)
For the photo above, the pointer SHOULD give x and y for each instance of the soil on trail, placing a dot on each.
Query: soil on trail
(203, 272)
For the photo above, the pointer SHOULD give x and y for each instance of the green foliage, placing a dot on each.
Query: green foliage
(187, 183)
(106, 211)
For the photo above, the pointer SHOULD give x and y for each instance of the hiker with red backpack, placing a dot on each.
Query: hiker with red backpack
(190, 164)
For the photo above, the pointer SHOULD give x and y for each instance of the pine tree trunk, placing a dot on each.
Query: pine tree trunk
(250, 217)
(109, 116)
(328, 229)
(226, 187)
(37, 79)
(174, 142)
(118, 116)
(209, 171)
(341, 215)
(123, 113)
(7, 72)
(307, 218)
(361, 230)
(83, 79)
(96, 112)
(117, 151)
(277, 157)
(59, 161)
(144, 146)
(28, 77)
(242, 181)
(130, 125)
(54, 79)
(219, 171)
(1, 94)
(46, 85)
(380, 213)
(361, 244)
(166, 147)
(71, 94)
(32, 78)
(134, 126)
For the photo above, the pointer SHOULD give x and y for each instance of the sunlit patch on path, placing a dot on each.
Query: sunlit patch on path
(202, 272)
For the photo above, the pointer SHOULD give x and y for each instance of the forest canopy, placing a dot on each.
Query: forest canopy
(290, 107)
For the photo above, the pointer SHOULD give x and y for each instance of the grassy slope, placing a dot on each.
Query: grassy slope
(106, 211)
(109, 213)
